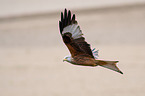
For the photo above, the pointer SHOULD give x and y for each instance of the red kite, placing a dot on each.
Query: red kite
(81, 54)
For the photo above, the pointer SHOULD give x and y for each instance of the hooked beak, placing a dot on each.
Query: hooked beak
(64, 60)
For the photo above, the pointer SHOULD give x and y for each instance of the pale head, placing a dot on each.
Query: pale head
(68, 59)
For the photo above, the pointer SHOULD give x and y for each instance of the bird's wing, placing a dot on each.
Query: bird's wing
(72, 35)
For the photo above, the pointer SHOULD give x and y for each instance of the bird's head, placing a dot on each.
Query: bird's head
(67, 58)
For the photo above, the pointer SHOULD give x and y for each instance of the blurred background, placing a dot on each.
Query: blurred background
(31, 48)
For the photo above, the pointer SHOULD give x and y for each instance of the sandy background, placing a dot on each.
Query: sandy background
(31, 54)
(10, 8)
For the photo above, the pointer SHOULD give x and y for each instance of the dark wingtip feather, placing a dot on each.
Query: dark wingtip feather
(121, 72)
(69, 12)
(61, 16)
(66, 19)
(65, 10)
(73, 18)
(65, 13)
(69, 17)
(60, 26)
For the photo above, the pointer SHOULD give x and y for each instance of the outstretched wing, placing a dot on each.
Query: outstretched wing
(72, 35)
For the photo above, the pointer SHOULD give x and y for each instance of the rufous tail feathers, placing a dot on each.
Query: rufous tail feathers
(108, 64)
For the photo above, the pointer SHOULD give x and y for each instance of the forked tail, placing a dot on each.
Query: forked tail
(109, 64)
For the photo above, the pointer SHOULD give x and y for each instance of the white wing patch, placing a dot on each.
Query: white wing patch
(74, 29)
(95, 53)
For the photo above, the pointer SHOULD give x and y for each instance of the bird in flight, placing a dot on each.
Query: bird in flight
(81, 53)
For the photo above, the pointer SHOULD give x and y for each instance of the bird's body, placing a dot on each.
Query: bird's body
(84, 60)
(81, 53)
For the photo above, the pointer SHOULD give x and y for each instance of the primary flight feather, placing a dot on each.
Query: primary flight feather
(81, 53)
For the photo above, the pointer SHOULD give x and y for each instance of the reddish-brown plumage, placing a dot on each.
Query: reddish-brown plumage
(84, 60)
(81, 53)
(76, 46)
